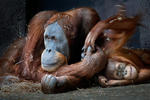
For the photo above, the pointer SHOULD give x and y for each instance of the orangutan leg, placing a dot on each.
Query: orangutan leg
(119, 82)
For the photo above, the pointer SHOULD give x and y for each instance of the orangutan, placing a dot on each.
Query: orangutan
(54, 40)
(126, 66)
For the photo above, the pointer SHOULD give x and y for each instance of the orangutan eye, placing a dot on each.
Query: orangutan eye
(50, 37)
(119, 67)
(125, 72)
(117, 74)
(46, 36)
(53, 37)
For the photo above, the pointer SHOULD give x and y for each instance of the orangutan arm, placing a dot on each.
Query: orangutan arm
(11, 57)
(71, 75)
(104, 82)
(121, 27)
(143, 75)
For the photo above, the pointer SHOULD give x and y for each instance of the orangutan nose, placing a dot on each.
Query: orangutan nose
(48, 50)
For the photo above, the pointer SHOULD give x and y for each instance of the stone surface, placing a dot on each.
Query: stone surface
(131, 92)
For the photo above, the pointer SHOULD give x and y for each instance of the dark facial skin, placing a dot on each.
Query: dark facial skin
(56, 50)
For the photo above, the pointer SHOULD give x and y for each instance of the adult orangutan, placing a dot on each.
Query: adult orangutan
(62, 34)
(124, 66)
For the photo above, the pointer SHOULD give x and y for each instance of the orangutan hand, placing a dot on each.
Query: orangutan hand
(50, 83)
(103, 81)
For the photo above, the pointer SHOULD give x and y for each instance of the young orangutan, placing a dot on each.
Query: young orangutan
(126, 66)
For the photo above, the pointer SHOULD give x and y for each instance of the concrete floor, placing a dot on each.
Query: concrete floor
(131, 92)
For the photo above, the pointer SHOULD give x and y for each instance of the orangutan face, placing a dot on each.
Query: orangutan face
(120, 70)
(56, 50)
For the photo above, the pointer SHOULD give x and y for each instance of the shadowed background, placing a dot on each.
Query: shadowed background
(15, 15)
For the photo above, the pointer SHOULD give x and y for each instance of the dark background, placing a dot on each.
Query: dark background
(15, 15)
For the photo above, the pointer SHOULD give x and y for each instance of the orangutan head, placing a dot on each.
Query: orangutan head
(56, 50)
(120, 70)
